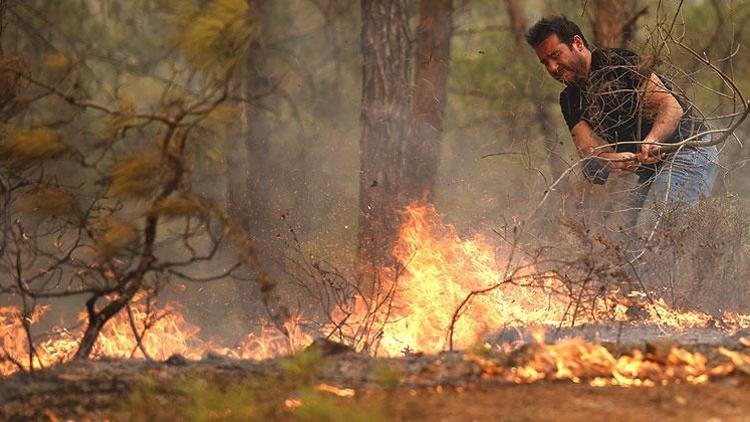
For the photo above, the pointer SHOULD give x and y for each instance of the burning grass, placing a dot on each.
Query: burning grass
(450, 294)
(142, 331)
(581, 361)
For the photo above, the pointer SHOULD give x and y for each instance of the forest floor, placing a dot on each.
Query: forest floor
(329, 383)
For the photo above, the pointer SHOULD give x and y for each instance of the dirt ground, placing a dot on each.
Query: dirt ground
(726, 400)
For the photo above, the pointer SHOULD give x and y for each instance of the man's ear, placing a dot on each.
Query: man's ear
(578, 43)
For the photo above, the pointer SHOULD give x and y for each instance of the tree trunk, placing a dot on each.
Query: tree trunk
(518, 22)
(384, 120)
(251, 180)
(3, 8)
(430, 93)
(612, 22)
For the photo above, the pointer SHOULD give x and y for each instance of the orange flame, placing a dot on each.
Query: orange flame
(576, 360)
(412, 309)
(163, 332)
(440, 272)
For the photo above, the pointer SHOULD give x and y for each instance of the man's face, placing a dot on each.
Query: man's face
(565, 63)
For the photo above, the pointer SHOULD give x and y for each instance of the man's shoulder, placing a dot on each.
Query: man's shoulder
(570, 105)
(614, 57)
(570, 91)
(570, 100)
(614, 65)
(616, 51)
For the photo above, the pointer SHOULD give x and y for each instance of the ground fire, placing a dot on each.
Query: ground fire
(440, 270)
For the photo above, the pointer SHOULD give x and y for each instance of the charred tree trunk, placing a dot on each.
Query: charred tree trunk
(430, 93)
(384, 120)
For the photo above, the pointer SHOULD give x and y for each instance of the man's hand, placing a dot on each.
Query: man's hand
(650, 153)
(621, 161)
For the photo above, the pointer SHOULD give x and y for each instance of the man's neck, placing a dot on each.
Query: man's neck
(583, 67)
(586, 65)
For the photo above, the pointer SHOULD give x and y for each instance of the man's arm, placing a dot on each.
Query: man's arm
(589, 146)
(668, 111)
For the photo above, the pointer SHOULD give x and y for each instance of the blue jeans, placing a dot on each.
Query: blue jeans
(684, 178)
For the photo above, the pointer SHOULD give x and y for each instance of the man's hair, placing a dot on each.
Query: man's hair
(558, 25)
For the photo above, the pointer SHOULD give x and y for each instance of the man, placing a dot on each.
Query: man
(620, 114)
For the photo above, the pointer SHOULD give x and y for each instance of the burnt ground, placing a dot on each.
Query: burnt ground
(446, 386)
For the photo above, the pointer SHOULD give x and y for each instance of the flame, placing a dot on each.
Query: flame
(440, 272)
(14, 354)
(163, 332)
(336, 391)
(412, 308)
(271, 342)
(577, 360)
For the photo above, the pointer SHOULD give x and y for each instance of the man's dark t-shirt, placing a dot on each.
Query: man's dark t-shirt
(610, 102)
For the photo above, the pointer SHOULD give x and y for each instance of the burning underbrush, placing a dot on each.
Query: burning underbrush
(577, 360)
(449, 293)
